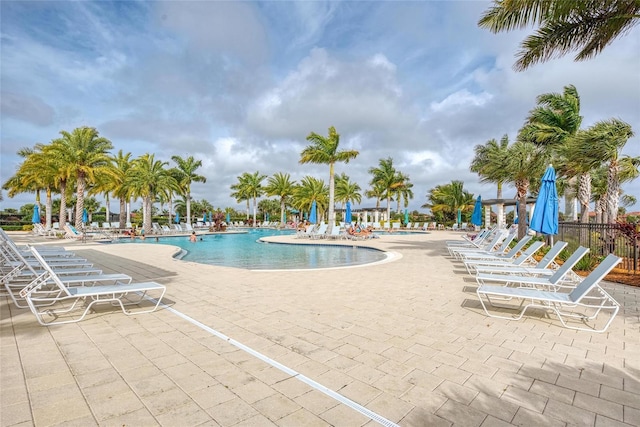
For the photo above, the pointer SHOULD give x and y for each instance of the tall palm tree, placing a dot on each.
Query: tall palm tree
(588, 26)
(148, 178)
(524, 161)
(385, 176)
(240, 191)
(253, 188)
(37, 172)
(311, 189)
(188, 175)
(324, 150)
(552, 124)
(599, 144)
(61, 178)
(403, 191)
(85, 155)
(488, 163)
(280, 185)
(123, 164)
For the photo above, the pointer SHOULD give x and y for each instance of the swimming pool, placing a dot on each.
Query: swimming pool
(242, 250)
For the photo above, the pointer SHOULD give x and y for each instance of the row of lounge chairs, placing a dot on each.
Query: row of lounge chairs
(510, 282)
(338, 232)
(59, 287)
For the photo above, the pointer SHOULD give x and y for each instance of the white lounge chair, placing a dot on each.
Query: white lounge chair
(583, 303)
(506, 254)
(524, 257)
(541, 268)
(15, 284)
(554, 282)
(319, 233)
(498, 244)
(48, 302)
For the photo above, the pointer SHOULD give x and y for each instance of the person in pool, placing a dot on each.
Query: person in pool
(192, 238)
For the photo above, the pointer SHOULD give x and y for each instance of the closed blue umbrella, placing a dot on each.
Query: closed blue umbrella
(476, 217)
(210, 216)
(267, 216)
(177, 218)
(85, 216)
(36, 215)
(459, 216)
(545, 215)
(406, 216)
(313, 216)
(347, 214)
(228, 218)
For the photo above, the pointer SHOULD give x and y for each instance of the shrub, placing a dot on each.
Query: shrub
(588, 262)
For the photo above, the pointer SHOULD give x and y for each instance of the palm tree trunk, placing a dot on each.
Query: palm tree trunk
(584, 195)
(522, 186)
(80, 200)
(107, 213)
(613, 192)
(332, 211)
(282, 207)
(599, 211)
(147, 215)
(188, 197)
(255, 209)
(389, 209)
(500, 206)
(123, 212)
(49, 205)
(62, 219)
(248, 210)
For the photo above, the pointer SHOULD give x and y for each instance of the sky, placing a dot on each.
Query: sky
(240, 85)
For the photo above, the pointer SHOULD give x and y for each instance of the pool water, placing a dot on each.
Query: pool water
(242, 250)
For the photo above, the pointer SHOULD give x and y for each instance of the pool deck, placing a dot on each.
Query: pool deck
(402, 342)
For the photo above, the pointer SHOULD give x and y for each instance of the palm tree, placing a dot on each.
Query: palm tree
(91, 205)
(386, 177)
(147, 179)
(599, 144)
(280, 185)
(403, 191)
(240, 191)
(120, 183)
(552, 124)
(564, 26)
(346, 190)
(524, 161)
(489, 163)
(252, 187)
(445, 200)
(37, 172)
(324, 150)
(61, 178)
(84, 155)
(187, 168)
(311, 189)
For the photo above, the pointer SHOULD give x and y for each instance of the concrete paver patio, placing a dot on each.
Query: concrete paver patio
(407, 340)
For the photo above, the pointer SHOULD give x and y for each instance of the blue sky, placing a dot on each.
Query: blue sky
(240, 85)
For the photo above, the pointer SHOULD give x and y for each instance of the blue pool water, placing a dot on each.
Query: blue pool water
(242, 250)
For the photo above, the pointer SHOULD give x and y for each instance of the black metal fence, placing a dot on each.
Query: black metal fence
(603, 239)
